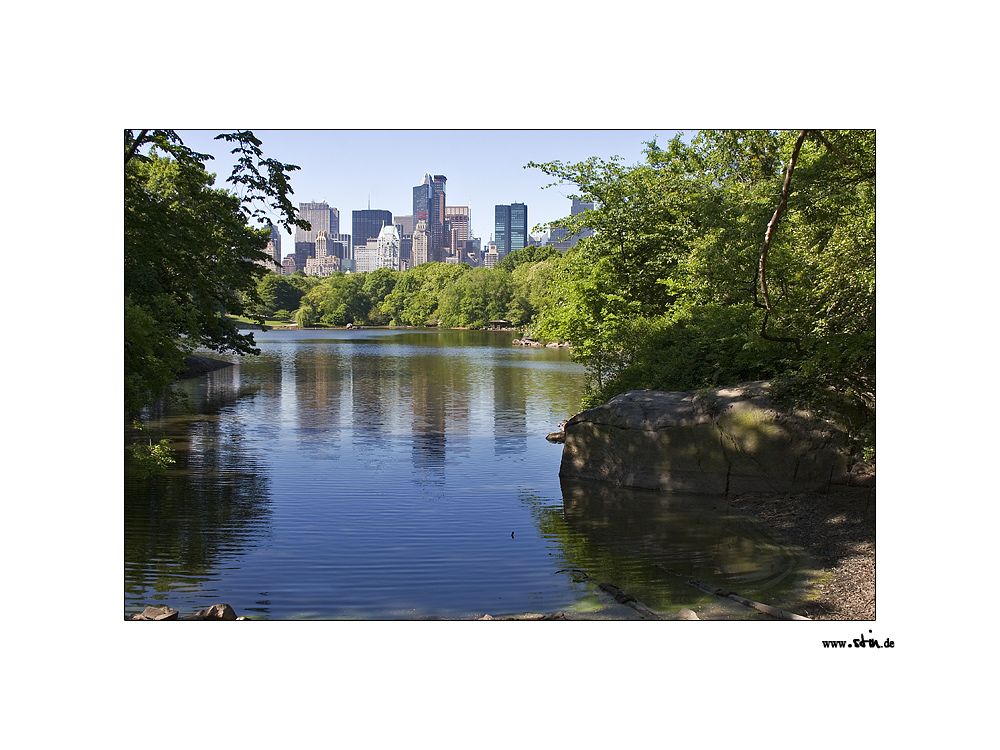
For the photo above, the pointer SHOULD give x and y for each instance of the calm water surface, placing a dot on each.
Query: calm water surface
(382, 474)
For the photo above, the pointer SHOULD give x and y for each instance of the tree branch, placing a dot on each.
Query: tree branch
(764, 335)
(834, 150)
(772, 225)
(135, 145)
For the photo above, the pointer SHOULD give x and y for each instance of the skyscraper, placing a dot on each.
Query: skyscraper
(339, 245)
(438, 240)
(422, 201)
(429, 206)
(367, 223)
(274, 244)
(381, 252)
(501, 228)
(421, 241)
(327, 261)
(510, 228)
(518, 226)
(388, 248)
(322, 218)
(456, 225)
(404, 224)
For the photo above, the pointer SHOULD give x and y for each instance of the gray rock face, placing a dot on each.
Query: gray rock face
(196, 365)
(722, 441)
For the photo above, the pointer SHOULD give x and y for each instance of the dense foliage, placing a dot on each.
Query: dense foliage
(190, 253)
(431, 294)
(742, 255)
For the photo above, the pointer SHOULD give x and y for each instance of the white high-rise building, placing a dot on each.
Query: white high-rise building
(365, 256)
(421, 243)
(382, 252)
(388, 248)
(491, 257)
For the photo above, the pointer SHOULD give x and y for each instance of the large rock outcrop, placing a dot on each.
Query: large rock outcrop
(196, 365)
(721, 441)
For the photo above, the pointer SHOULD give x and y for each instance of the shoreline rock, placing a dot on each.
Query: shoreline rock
(528, 341)
(197, 365)
(722, 441)
(216, 612)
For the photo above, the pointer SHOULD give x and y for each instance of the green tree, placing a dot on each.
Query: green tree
(522, 255)
(743, 254)
(393, 308)
(190, 254)
(305, 316)
(475, 298)
(378, 285)
(417, 294)
(340, 299)
(277, 292)
(532, 287)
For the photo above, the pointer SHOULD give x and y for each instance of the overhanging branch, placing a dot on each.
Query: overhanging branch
(796, 342)
(135, 145)
(773, 223)
(834, 150)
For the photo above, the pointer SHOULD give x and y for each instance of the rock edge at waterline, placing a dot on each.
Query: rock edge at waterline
(718, 441)
(196, 365)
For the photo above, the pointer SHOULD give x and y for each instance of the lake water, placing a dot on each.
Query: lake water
(398, 474)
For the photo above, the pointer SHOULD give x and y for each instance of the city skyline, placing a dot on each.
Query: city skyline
(360, 169)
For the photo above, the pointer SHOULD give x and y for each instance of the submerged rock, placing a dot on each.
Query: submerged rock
(721, 441)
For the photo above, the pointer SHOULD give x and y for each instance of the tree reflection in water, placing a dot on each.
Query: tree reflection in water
(651, 544)
(213, 506)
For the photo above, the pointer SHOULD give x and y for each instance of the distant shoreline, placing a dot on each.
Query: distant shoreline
(293, 327)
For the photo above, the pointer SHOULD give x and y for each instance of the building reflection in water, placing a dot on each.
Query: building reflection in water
(510, 398)
(379, 393)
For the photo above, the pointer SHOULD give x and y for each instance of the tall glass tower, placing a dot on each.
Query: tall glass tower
(367, 223)
(510, 228)
(437, 217)
(518, 226)
(501, 229)
(429, 206)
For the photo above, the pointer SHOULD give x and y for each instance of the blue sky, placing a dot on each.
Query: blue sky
(347, 168)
